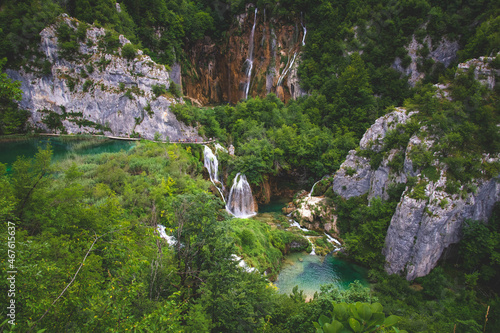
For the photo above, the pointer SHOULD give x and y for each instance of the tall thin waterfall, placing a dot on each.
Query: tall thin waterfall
(240, 202)
(212, 164)
(312, 189)
(249, 60)
(305, 31)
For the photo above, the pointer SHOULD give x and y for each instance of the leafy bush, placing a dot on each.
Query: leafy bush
(129, 51)
(87, 85)
(175, 89)
(359, 317)
(159, 89)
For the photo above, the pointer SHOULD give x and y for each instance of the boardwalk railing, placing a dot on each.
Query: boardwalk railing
(183, 141)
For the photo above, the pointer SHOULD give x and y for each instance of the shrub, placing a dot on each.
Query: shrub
(159, 89)
(175, 89)
(87, 85)
(128, 51)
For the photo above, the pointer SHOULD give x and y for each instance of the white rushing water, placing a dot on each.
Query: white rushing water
(170, 239)
(330, 239)
(242, 264)
(305, 31)
(313, 251)
(297, 225)
(312, 189)
(211, 162)
(240, 202)
(333, 240)
(288, 66)
(249, 60)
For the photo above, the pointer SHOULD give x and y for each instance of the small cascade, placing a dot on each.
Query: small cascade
(212, 164)
(288, 66)
(312, 189)
(297, 225)
(249, 60)
(305, 31)
(242, 264)
(338, 245)
(170, 239)
(313, 251)
(240, 202)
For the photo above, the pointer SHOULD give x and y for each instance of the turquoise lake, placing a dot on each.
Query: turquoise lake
(28, 147)
(314, 271)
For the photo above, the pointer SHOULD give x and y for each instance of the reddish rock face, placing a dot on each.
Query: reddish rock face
(218, 70)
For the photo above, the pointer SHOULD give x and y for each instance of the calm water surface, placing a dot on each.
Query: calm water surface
(313, 271)
(9, 151)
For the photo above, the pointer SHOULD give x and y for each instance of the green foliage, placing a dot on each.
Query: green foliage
(129, 51)
(111, 42)
(480, 248)
(87, 85)
(159, 89)
(12, 119)
(67, 38)
(53, 120)
(359, 317)
(175, 89)
(364, 227)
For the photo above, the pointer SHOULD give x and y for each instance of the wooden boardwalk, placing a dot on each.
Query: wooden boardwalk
(182, 141)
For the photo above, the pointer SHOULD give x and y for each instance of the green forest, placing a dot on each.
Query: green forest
(88, 254)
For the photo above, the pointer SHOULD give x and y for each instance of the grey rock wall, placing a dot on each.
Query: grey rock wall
(356, 177)
(103, 100)
(420, 230)
(423, 225)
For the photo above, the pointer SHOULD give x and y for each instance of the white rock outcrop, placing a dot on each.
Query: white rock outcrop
(356, 177)
(101, 91)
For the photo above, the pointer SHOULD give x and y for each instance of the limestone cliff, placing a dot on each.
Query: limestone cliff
(443, 52)
(356, 176)
(98, 91)
(429, 217)
(218, 70)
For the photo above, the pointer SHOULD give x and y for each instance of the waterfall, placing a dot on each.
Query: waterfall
(297, 225)
(170, 239)
(249, 60)
(312, 189)
(212, 164)
(305, 31)
(240, 202)
(313, 251)
(333, 240)
(288, 66)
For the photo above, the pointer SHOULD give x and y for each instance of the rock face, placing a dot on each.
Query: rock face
(100, 92)
(356, 177)
(315, 213)
(218, 71)
(483, 71)
(444, 52)
(427, 219)
(421, 229)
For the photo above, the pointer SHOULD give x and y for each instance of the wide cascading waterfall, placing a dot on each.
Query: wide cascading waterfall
(249, 60)
(240, 202)
(211, 162)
